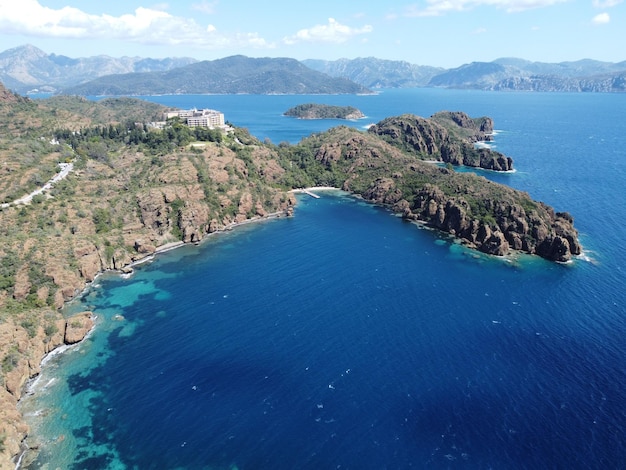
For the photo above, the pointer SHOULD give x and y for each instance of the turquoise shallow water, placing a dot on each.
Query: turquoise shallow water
(346, 338)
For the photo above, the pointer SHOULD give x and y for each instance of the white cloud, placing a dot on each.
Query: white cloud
(332, 32)
(144, 25)
(602, 18)
(606, 3)
(441, 7)
(160, 6)
(479, 31)
(205, 7)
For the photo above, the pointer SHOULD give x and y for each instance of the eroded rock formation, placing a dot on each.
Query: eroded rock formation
(538, 230)
(22, 350)
(447, 137)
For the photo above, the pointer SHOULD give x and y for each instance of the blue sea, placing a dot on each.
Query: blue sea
(346, 338)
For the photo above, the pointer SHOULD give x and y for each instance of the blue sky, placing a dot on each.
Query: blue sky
(443, 33)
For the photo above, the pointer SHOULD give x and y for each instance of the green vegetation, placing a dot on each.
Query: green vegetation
(11, 360)
(98, 142)
(323, 111)
(135, 187)
(254, 76)
(9, 264)
(102, 220)
(138, 182)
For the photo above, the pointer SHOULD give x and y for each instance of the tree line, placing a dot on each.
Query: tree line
(95, 142)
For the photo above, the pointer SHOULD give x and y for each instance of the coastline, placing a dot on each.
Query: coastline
(21, 380)
(57, 349)
(127, 271)
(310, 190)
(315, 188)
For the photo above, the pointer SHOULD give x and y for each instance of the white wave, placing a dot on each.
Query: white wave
(586, 255)
(484, 145)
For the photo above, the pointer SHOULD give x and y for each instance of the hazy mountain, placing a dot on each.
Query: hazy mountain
(26, 68)
(474, 75)
(501, 74)
(579, 68)
(517, 74)
(377, 73)
(235, 74)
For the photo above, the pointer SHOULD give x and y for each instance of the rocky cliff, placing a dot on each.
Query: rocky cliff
(445, 137)
(517, 225)
(490, 217)
(135, 189)
(24, 341)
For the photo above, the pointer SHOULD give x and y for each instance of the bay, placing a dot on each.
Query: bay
(346, 338)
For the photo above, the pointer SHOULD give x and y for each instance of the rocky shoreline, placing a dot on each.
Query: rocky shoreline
(120, 208)
(68, 332)
(74, 329)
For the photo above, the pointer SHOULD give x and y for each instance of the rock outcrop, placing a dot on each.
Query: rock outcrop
(538, 230)
(22, 349)
(490, 217)
(448, 137)
(77, 327)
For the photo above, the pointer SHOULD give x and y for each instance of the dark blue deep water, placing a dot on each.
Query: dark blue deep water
(346, 338)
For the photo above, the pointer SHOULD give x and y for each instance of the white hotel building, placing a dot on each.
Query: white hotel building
(199, 117)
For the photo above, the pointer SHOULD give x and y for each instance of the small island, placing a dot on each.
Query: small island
(324, 111)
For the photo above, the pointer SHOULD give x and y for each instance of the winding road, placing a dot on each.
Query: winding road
(66, 168)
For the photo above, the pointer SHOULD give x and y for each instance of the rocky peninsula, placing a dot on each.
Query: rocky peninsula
(487, 216)
(134, 189)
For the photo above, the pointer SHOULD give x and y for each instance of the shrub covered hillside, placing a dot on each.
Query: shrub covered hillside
(488, 216)
(133, 188)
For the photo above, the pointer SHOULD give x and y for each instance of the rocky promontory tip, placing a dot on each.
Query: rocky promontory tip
(77, 327)
(448, 137)
(517, 224)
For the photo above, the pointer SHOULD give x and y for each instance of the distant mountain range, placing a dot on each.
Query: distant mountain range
(377, 73)
(501, 74)
(26, 68)
(231, 75)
